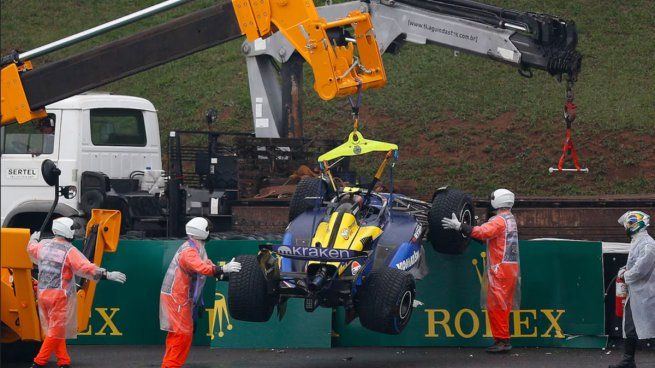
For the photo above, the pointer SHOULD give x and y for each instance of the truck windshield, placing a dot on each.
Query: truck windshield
(117, 127)
(35, 138)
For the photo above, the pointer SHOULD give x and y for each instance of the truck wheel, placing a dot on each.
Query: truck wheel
(248, 297)
(307, 187)
(385, 301)
(19, 351)
(444, 204)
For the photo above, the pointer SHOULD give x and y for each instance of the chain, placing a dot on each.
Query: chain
(569, 106)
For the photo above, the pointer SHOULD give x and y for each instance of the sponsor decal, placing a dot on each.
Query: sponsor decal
(417, 233)
(354, 268)
(466, 323)
(15, 173)
(109, 325)
(314, 252)
(218, 314)
(409, 262)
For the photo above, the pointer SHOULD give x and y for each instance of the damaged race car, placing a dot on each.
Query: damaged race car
(350, 246)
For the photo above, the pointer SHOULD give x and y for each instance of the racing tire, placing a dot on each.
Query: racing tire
(386, 300)
(248, 297)
(307, 187)
(444, 204)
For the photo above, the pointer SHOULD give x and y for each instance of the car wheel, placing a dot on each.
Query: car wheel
(444, 204)
(307, 187)
(248, 297)
(386, 299)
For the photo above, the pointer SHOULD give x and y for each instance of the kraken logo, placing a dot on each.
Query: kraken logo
(218, 312)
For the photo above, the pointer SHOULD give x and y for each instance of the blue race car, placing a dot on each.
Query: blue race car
(349, 246)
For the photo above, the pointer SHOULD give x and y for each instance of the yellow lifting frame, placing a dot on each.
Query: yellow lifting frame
(357, 145)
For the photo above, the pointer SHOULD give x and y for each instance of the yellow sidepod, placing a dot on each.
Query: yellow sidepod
(343, 232)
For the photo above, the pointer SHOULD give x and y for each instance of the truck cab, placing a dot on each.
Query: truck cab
(94, 132)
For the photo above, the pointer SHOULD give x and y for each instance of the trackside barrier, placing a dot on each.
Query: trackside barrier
(562, 303)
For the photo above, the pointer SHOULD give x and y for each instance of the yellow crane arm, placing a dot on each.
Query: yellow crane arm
(341, 65)
(337, 69)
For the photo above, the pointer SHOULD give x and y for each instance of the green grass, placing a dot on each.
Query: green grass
(438, 107)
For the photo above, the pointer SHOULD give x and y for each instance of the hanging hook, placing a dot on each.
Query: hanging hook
(355, 105)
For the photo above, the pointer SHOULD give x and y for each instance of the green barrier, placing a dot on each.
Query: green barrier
(562, 302)
(129, 313)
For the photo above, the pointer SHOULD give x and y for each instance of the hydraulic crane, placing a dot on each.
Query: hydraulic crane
(342, 43)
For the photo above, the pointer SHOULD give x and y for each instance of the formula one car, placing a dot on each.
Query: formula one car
(350, 246)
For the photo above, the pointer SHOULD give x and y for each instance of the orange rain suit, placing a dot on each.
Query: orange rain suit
(181, 292)
(58, 262)
(502, 270)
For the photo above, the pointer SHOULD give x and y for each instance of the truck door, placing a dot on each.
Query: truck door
(120, 142)
(24, 147)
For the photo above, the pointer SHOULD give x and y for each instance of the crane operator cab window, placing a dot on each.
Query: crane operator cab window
(118, 127)
(35, 137)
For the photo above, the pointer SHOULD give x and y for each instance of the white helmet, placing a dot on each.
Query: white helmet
(198, 228)
(64, 227)
(502, 198)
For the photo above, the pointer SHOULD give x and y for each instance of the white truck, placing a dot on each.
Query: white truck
(100, 132)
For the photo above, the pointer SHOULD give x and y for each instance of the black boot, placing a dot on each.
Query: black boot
(628, 361)
(499, 346)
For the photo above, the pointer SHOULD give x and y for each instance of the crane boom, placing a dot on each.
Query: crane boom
(342, 43)
(339, 69)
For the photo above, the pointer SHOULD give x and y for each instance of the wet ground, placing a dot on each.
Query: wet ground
(150, 356)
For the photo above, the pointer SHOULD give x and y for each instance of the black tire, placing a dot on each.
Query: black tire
(307, 187)
(248, 297)
(444, 204)
(19, 351)
(385, 301)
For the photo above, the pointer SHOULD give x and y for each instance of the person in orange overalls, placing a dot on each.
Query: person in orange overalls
(181, 291)
(502, 274)
(58, 263)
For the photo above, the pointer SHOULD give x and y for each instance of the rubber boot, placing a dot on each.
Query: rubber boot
(628, 361)
(499, 346)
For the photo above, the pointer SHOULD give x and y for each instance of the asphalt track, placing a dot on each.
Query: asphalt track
(203, 357)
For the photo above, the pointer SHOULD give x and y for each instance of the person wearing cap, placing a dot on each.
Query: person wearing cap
(59, 262)
(502, 275)
(181, 290)
(639, 276)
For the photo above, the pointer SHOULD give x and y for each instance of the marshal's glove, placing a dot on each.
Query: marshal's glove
(114, 276)
(621, 273)
(232, 266)
(451, 223)
(35, 236)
